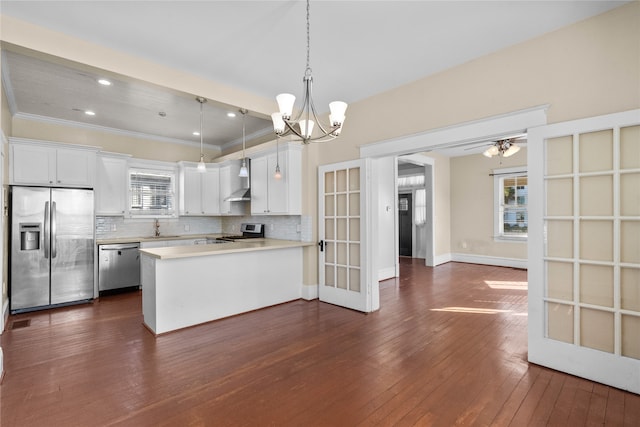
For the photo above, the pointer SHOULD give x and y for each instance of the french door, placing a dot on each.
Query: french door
(344, 232)
(584, 248)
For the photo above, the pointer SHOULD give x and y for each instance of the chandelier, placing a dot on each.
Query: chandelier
(302, 126)
(502, 148)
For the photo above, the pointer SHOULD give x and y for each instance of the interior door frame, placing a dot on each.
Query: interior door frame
(429, 230)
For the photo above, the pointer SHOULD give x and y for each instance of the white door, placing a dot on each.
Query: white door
(344, 230)
(584, 248)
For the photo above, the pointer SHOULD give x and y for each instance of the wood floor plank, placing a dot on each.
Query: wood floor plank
(446, 348)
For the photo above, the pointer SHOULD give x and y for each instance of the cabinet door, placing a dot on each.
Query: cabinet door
(33, 165)
(259, 186)
(192, 192)
(75, 168)
(111, 186)
(278, 188)
(211, 192)
(225, 189)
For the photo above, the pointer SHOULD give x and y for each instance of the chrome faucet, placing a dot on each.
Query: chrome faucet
(157, 227)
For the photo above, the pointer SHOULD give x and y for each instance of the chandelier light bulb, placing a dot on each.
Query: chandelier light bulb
(278, 123)
(285, 104)
(337, 110)
(306, 128)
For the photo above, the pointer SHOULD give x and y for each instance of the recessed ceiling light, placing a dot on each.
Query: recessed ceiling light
(104, 82)
(90, 113)
(196, 133)
(231, 114)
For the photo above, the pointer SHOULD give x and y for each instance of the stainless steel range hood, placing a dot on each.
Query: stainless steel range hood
(240, 186)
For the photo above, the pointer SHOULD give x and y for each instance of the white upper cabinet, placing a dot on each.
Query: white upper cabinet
(199, 191)
(50, 164)
(111, 184)
(273, 196)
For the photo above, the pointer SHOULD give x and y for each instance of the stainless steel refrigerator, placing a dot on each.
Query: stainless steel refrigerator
(52, 246)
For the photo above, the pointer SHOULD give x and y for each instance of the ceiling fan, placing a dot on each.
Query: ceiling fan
(504, 147)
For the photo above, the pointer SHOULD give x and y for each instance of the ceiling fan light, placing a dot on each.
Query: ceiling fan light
(491, 151)
(513, 149)
(285, 104)
(278, 123)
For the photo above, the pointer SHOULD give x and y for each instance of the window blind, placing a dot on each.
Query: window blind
(151, 193)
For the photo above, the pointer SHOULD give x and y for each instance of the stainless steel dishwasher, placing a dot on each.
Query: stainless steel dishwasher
(118, 266)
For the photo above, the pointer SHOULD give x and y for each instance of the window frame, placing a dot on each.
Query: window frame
(154, 169)
(499, 175)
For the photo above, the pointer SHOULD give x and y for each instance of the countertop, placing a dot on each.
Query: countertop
(158, 239)
(247, 245)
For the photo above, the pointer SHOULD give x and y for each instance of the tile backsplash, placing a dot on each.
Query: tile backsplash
(288, 227)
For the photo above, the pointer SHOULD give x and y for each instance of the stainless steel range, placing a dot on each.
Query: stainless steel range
(249, 231)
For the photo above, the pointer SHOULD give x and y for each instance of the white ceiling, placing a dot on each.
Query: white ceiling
(358, 49)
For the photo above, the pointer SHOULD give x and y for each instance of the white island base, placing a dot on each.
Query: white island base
(186, 291)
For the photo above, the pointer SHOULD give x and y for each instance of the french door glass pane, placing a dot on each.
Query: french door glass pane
(596, 284)
(596, 151)
(560, 322)
(560, 280)
(596, 329)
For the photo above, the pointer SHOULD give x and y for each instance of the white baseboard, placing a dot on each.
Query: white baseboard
(5, 316)
(441, 259)
(386, 273)
(490, 260)
(309, 292)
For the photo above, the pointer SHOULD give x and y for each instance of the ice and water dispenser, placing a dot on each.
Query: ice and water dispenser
(29, 236)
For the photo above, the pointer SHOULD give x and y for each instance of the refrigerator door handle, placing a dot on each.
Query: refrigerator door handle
(54, 230)
(46, 229)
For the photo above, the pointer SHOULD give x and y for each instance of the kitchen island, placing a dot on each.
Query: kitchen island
(184, 286)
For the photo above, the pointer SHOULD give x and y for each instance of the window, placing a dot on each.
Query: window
(152, 192)
(510, 204)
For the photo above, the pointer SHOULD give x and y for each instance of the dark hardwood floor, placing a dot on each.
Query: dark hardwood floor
(448, 347)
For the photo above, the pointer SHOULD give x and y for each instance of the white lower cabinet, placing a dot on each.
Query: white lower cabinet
(200, 191)
(273, 196)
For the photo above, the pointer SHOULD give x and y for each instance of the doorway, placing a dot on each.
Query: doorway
(405, 224)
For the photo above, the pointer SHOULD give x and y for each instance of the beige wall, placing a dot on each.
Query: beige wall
(442, 200)
(472, 206)
(582, 70)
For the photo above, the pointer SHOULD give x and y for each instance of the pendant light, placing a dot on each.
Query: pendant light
(244, 172)
(201, 166)
(277, 175)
